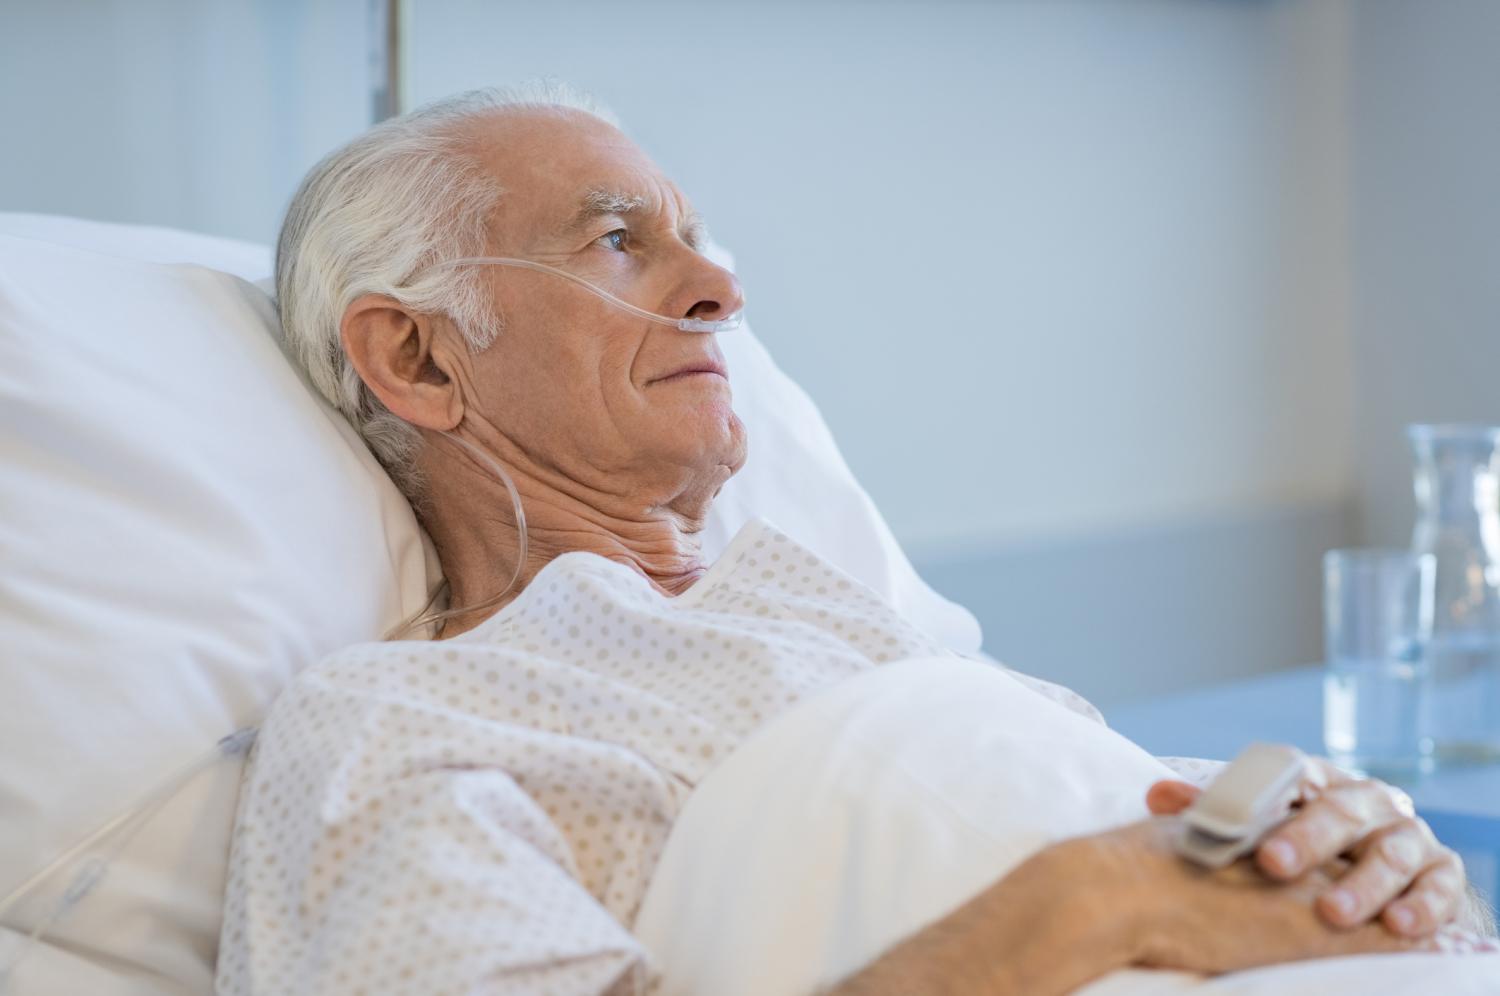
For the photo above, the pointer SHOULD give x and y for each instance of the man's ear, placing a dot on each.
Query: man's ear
(392, 351)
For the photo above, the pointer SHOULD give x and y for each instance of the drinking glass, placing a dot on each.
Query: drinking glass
(1377, 616)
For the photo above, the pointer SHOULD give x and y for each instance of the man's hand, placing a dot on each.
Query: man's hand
(1399, 871)
(1082, 907)
(1227, 919)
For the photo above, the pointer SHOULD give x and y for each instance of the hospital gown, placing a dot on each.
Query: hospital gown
(483, 814)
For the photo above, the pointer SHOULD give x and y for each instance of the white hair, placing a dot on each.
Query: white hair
(372, 218)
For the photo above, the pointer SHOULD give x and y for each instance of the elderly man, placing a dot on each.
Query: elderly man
(483, 810)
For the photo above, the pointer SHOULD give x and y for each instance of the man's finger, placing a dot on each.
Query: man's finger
(1168, 797)
(1326, 827)
(1432, 901)
(1386, 864)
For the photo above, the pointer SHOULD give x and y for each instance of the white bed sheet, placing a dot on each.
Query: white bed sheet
(886, 801)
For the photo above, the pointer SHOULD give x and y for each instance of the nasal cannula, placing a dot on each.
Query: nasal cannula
(727, 324)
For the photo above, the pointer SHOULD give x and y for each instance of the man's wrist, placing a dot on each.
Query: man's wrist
(1068, 916)
(1060, 919)
(1110, 905)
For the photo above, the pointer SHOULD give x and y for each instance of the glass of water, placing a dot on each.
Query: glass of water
(1377, 618)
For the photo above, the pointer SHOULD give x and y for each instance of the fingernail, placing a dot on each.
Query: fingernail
(1402, 918)
(1282, 855)
(1342, 901)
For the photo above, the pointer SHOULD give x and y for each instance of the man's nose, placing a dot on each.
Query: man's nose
(711, 292)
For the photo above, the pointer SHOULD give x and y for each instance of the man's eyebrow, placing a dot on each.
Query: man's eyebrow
(602, 203)
(694, 231)
(599, 203)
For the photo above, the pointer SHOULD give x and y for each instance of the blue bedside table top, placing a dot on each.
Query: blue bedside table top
(1282, 707)
(1462, 804)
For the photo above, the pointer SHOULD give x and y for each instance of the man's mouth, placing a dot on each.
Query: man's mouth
(697, 368)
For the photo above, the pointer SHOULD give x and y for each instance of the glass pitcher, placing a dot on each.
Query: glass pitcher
(1457, 480)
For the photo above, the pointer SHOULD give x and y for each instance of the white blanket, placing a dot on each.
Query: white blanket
(879, 805)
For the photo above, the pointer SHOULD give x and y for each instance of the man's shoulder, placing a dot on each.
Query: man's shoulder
(394, 671)
(402, 688)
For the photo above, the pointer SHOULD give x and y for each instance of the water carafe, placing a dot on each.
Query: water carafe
(1457, 480)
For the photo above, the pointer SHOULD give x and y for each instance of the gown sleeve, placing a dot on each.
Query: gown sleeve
(384, 846)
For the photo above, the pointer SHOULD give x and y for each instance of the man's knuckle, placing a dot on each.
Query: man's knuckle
(1350, 804)
(1399, 801)
(1432, 903)
(1425, 832)
(1369, 894)
(1402, 849)
(1330, 826)
(1445, 876)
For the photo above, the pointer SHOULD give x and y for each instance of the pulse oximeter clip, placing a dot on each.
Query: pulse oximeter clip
(1249, 799)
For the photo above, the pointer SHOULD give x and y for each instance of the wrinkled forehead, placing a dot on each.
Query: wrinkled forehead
(555, 164)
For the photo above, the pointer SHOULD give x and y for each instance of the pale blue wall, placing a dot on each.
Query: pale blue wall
(1027, 256)
(1140, 611)
(197, 114)
(1070, 279)
(1427, 234)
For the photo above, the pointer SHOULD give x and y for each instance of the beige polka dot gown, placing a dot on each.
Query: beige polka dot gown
(483, 814)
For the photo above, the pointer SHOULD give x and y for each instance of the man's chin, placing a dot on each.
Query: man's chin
(723, 445)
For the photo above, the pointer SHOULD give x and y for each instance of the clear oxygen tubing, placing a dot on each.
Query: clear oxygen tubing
(93, 853)
(427, 616)
(727, 324)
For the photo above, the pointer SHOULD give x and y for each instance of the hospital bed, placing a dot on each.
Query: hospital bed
(186, 524)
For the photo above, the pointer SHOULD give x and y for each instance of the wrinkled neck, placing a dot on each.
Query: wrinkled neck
(471, 519)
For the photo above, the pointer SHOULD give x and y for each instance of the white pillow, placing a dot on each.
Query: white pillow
(147, 243)
(853, 820)
(184, 524)
(796, 477)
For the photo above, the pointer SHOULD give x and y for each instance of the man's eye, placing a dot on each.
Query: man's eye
(614, 240)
